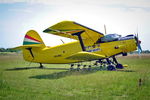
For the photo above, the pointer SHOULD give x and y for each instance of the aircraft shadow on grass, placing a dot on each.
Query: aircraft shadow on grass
(62, 74)
(26, 68)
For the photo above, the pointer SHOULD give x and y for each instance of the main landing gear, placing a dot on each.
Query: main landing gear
(41, 66)
(112, 65)
(101, 64)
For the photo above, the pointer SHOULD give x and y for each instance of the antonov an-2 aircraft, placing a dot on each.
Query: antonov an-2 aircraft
(91, 45)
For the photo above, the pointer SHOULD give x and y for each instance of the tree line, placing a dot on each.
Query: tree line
(8, 50)
(143, 51)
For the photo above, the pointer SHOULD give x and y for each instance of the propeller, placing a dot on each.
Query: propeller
(105, 29)
(138, 42)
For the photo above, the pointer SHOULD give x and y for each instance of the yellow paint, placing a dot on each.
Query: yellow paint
(125, 65)
(58, 54)
(70, 52)
(59, 29)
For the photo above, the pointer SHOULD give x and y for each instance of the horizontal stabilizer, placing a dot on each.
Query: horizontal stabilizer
(85, 56)
(26, 46)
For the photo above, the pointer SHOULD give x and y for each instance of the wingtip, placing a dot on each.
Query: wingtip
(47, 30)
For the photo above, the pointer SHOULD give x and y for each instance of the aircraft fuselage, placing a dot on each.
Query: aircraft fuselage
(58, 54)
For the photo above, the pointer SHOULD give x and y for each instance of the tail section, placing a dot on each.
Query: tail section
(33, 38)
(31, 47)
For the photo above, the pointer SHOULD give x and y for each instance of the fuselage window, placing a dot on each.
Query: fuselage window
(109, 38)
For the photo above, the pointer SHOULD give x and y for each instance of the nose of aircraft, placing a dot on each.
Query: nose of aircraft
(139, 41)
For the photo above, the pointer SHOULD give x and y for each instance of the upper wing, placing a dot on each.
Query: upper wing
(85, 56)
(67, 28)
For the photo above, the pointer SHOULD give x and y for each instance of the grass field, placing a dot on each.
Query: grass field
(57, 83)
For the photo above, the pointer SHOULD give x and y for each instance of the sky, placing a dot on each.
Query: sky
(120, 16)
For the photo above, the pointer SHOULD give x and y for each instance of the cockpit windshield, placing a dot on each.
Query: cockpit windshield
(109, 38)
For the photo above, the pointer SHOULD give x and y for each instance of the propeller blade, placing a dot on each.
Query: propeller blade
(138, 43)
(139, 49)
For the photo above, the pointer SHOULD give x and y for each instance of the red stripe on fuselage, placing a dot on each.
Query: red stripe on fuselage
(28, 37)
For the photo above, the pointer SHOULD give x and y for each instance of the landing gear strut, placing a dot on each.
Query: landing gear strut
(110, 65)
(71, 67)
(78, 67)
(119, 66)
(41, 66)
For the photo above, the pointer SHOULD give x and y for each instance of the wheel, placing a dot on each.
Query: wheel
(101, 67)
(89, 68)
(119, 66)
(71, 69)
(78, 69)
(110, 67)
(84, 67)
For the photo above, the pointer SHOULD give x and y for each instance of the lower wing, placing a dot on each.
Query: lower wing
(85, 56)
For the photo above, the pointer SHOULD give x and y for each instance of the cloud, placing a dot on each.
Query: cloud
(124, 5)
(134, 8)
(135, 3)
(21, 10)
(12, 1)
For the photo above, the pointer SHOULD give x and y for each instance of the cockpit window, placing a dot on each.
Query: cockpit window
(109, 38)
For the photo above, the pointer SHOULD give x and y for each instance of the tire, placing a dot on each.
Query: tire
(110, 68)
(119, 66)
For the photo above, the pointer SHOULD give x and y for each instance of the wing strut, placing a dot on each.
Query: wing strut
(80, 39)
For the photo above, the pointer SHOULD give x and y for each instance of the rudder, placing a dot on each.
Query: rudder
(33, 38)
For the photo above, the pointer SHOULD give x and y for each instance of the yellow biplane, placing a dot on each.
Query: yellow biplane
(91, 45)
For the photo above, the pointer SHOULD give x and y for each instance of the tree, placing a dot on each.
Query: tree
(2, 49)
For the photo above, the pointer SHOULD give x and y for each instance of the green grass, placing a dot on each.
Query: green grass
(59, 84)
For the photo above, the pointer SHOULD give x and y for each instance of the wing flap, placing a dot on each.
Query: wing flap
(85, 56)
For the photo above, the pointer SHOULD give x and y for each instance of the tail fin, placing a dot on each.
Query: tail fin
(33, 38)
